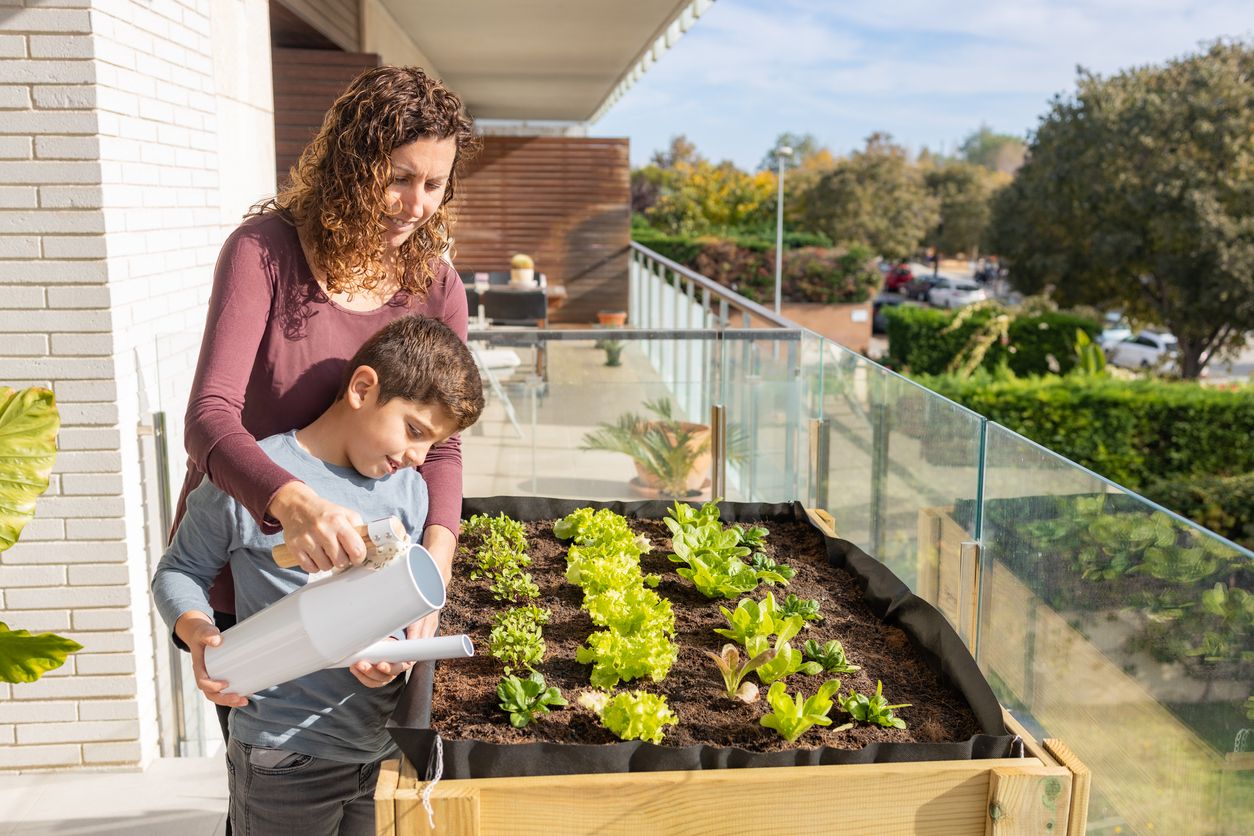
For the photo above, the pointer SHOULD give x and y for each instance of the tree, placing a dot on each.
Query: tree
(701, 197)
(1138, 192)
(650, 182)
(804, 147)
(1002, 153)
(875, 197)
(964, 192)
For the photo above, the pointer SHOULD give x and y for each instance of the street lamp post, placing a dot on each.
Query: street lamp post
(781, 154)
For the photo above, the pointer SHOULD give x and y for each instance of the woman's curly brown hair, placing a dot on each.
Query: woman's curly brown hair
(337, 192)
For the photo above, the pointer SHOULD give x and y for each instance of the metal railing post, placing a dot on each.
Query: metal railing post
(718, 451)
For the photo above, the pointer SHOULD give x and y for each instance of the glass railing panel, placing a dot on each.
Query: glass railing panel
(904, 469)
(762, 390)
(569, 415)
(1125, 631)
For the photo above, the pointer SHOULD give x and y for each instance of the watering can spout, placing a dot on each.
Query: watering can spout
(412, 650)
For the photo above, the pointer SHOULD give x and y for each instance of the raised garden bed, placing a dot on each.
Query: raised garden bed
(450, 719)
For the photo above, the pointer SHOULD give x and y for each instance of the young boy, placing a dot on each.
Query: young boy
(303, 756)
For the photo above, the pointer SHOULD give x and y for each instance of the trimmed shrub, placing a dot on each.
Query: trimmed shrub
(917, 344)
(747, 265)
(1133, 432)
(1225, 505)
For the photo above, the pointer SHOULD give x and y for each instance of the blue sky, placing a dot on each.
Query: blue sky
(927, 71)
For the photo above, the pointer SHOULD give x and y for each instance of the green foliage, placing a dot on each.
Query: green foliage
(812, 270)
(873, 709)
(513, 584)
(516, 639)
(755, 618)
(24, 657)
(1223, 504)
(713, 557)
(791, 716)
(1090, 359)
(1003, 153)
(632, 715)
(500, 556)
(729, 665)
(1133, 432)
(807, 609)
(523, 699)
(964, 192)
(831, 656)
(29, 422)
(787, 660)
(1137, 194)
(875, 197)
(604, 560)
(666, 448)
(926, 341)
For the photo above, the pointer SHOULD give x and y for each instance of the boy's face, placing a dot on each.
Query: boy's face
(383, 438)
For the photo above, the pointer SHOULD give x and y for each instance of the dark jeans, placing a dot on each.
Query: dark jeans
(275, 792)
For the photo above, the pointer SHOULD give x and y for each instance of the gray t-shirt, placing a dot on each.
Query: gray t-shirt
(327, 714)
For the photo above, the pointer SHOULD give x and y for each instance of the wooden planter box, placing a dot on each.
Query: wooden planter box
(1044, 793)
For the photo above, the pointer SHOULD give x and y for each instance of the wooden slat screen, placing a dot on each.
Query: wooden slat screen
(565, 201)
(339, 20)
(306, 84)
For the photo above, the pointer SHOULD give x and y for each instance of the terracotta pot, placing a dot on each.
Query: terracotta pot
(612, 319)
(698, 476)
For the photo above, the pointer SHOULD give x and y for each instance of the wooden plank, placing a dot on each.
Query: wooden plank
(1081, 781)
(823, 521)
(947, 798)
(384, 797)
(1026, 802)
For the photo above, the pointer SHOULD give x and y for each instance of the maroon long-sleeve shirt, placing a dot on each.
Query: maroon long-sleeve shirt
(273, 358)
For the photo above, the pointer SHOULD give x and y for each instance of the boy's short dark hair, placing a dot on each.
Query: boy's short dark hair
(422, 360)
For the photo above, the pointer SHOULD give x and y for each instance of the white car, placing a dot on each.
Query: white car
(1115, 329)
(1147, 350)
(955, 293)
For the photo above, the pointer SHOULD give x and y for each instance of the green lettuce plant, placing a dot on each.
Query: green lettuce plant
(714, 558)
(29, 422)
(516, 639)
(873, 709)
(523, 699)
(788, 660)
(753, 618)
(791, 716)
(830, 655)
(808, 609)
(632, 715)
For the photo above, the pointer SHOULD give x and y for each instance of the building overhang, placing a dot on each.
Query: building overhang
(543, 60)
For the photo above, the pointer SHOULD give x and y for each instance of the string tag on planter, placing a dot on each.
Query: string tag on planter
(435, 768)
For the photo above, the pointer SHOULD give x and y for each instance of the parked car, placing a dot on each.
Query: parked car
(1147, 350)
(897, 278)
(955, 293)
(919, 286)
(1115, 329)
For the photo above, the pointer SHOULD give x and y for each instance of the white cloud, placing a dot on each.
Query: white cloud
(748, 70)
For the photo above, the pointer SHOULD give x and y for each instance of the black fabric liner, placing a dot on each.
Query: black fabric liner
(883, 592)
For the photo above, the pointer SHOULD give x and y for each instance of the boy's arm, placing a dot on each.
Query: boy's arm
(200, 548)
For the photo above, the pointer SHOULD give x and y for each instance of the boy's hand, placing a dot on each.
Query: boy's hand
(197, 631)
(379, 674)
(321, 534)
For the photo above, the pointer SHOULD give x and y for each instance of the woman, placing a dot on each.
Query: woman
(353, 242)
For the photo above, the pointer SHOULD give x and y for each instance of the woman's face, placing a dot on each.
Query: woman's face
(420, 174)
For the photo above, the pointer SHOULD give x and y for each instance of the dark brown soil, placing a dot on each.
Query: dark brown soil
(465, 704)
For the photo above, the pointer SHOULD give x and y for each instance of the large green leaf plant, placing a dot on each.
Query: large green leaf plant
(28, 446)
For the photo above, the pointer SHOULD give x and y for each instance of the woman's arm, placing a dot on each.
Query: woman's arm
(240, 306)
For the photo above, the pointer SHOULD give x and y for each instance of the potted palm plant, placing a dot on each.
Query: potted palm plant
(672, 456)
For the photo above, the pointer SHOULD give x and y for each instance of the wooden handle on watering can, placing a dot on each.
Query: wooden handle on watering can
(384, 532)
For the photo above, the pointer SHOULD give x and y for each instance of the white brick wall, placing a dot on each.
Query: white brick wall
(112, 210)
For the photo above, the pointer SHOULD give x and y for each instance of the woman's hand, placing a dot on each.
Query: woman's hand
(321, 534)
(197, 631)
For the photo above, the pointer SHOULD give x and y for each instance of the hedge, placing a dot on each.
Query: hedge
(917, 345)
(817, 274)
(1133, 432)
(1225, 505)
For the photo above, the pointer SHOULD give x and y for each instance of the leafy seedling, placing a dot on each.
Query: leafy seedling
(830, 655)
(874, 709)
(523, 699)
(788, 660)
(734, 672)
(791, 716)
(807, 609)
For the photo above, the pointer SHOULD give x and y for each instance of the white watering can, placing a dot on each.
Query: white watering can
(340, 619)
